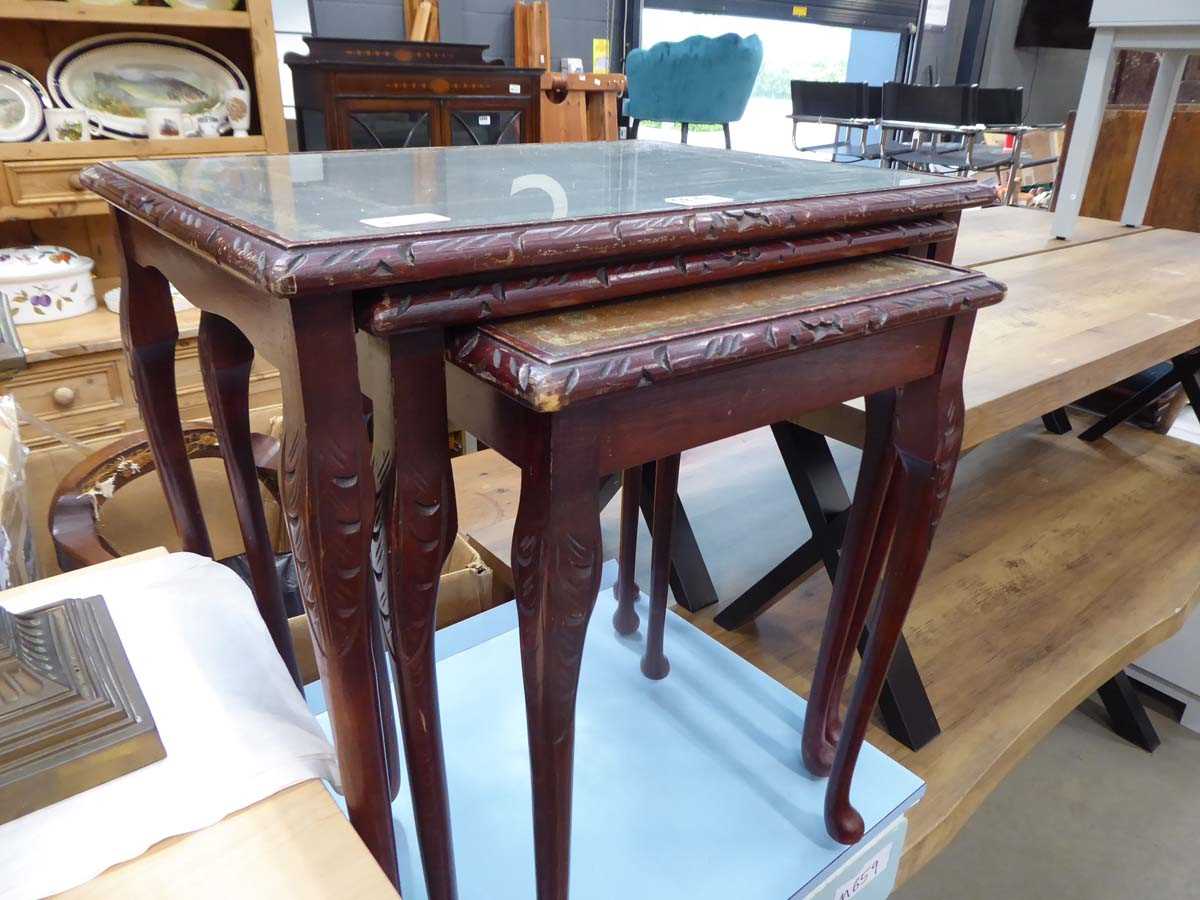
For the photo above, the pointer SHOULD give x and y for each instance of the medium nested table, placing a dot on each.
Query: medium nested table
(288, 256)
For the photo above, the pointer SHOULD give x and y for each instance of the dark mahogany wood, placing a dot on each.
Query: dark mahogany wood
(329, 496)
(421, 533)
(340, 80)
(470, 301)
(386, 261)
(225, 360)
(327, 489)
(867, 538)
(297, 303)
(549, 385)
(626, 591)
(926, 440)
(149, 333)
(666, 481)
(498, 390)
(556, 556)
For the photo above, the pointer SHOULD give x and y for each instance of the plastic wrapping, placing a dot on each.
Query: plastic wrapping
(18, 561)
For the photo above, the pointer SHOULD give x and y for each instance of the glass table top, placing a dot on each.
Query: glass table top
(306, 197)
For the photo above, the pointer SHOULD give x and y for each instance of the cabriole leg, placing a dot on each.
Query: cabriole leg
(421, 533)
(328, 495)
(868, 536)
(666, 482)
(149, 333)
(625, 618)
(556, 566)
(225, 360)
(928, 428)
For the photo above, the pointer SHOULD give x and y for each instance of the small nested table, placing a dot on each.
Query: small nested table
(574, 395)
(295, 257)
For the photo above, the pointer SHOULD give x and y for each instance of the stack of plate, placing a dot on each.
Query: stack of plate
(115, 78)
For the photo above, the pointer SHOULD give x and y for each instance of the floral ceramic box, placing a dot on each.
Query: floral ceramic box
(44, 283)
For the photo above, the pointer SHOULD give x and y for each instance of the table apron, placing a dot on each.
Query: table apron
(652, 422)
(264, 318)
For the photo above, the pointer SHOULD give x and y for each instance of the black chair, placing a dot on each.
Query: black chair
(854, 106)
(830, 100)
(950, 105)
(1000, 106)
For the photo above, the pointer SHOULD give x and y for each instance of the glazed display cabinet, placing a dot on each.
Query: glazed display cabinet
(362, 95)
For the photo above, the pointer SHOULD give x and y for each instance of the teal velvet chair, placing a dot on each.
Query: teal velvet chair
(697, 80)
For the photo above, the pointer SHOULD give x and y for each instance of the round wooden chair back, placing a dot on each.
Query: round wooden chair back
(75, 508)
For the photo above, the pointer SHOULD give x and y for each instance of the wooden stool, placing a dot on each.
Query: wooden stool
(573, 395)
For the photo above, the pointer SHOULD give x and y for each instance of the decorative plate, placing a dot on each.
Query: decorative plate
(23, 102)
(117, 77)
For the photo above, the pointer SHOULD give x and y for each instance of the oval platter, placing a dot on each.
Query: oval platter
(23, 103)
(117, 77)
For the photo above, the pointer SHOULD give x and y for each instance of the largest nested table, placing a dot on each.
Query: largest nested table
(289, 256)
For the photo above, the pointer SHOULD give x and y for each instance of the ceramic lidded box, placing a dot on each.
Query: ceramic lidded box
(44, 283)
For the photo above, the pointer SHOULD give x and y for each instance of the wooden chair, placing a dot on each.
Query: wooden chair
(79, 498)
(75, 511)
(74, 520)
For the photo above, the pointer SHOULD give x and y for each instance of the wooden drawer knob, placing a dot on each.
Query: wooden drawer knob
(63, 396)
(75, 183)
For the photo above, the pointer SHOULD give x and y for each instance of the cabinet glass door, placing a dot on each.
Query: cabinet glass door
(479, 127)
(375, 125)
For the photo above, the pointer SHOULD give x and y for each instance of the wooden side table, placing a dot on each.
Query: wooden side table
(408, 243)
(575, 395)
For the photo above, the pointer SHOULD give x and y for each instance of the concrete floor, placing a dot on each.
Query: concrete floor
(1086, 816)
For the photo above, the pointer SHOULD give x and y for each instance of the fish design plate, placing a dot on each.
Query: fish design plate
(23, 103)
(117, 77)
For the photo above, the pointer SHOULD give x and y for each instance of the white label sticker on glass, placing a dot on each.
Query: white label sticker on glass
(424, 218)
(485, 120)
(514, 89)
(875, 867)
(698, 200)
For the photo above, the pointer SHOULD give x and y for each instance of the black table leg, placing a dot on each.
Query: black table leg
(765, 592)
(1057, 422)
(1131, 406)
(1127, 714)
(904, 704)
(1183, 371)
(690, 582)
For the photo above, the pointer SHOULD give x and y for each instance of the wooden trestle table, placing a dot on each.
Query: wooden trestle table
(285, 255)
(1078, 318)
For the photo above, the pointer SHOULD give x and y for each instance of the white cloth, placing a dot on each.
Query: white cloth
(234, 727)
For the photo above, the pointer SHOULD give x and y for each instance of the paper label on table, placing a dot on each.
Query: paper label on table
(516, 88)
(875, 867)
(698, 200)
(485, 120)
(424, 218)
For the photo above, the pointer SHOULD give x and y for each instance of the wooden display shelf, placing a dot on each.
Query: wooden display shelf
(41, 180)
(168, 16)
(105, 149)
(95, 332)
